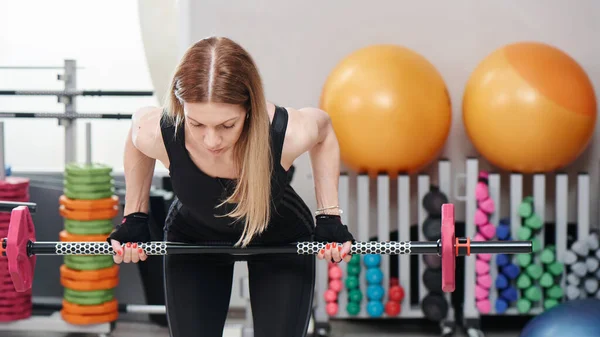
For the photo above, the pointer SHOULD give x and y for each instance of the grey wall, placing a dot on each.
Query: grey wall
(297, 43)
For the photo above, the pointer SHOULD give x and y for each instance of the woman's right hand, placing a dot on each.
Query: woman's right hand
(128, 252)
(126, 236)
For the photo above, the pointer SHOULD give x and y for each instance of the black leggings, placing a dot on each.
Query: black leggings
(198, 291)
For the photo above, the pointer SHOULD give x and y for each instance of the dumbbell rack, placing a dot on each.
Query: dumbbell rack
(471, 314)
(358, 209)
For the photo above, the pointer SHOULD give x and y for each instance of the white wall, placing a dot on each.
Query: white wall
(296, 44)
(105, 38)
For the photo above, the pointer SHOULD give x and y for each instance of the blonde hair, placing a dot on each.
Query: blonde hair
(217, 69)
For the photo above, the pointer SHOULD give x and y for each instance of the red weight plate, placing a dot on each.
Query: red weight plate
(5, 216)
(14, 294)
(13, 194)
(448, 256)
(20, 265)
(14, 183)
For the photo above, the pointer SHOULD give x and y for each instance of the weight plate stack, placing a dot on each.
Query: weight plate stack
(88, 207)
(434, 305)
(13, 305)
(583, 261)
(485, 231)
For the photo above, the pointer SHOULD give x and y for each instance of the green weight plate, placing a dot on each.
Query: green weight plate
(89, 293)
(88, 297)
(81, 169)
(85, 188)
(89, 230)
(88, 196)
(88, 265)
(88, 224)
(100, 179)
(88, 258)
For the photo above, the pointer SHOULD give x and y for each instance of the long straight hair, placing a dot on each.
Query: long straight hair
(219, 70)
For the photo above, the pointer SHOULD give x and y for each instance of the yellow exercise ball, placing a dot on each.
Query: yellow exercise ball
(390, 109)
(529, 107)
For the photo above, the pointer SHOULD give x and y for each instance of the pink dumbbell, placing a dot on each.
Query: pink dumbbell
(484, 306)
(331, 308)
(335, 273)
(484, 281)
(487, 205)
(479, 237)
(481, 267)
(330, 295)
(484, 257)
(481, 191)
(336, 285)
(480, 217)
(488, 231)
(481, 293)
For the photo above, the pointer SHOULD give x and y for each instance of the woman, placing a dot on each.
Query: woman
(228, 151)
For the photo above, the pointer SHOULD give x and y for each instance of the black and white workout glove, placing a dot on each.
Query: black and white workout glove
(329, 228)
(133, 228)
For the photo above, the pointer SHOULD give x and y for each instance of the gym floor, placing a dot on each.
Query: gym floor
(339, 329)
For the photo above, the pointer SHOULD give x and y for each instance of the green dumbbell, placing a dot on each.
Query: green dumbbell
(547, 280)
(550, 303)
(353, 308)
(526, 207)
(534, 271)
(355, 295)
(548, 255)
(353, 269)
(534, 222)
(555, 292)
(555, 268)
(523, 305)
(524, 233)
(524, 281)
(523, 260)
(533, 294)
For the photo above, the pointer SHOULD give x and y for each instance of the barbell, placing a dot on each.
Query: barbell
(21, 248)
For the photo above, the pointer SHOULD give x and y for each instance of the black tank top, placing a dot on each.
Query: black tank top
(194, 214)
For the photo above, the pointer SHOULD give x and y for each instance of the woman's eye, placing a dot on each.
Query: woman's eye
(228, 126)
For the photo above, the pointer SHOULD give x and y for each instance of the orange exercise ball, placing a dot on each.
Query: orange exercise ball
(390, 109)
(529, 107)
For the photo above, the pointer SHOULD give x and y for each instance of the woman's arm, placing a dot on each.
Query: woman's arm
(312, 132)
(142, 147)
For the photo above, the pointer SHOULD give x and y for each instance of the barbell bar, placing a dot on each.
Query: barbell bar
(21, 248)
(74, 93)
(76, 115)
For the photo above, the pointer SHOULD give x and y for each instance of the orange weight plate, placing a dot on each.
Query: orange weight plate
(89, 319)
(77, 309)
(89, 275)
(87, 205)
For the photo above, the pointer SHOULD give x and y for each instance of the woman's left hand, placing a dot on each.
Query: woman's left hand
(335, 252)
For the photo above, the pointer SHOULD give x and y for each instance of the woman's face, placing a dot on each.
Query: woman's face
(215, 126)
